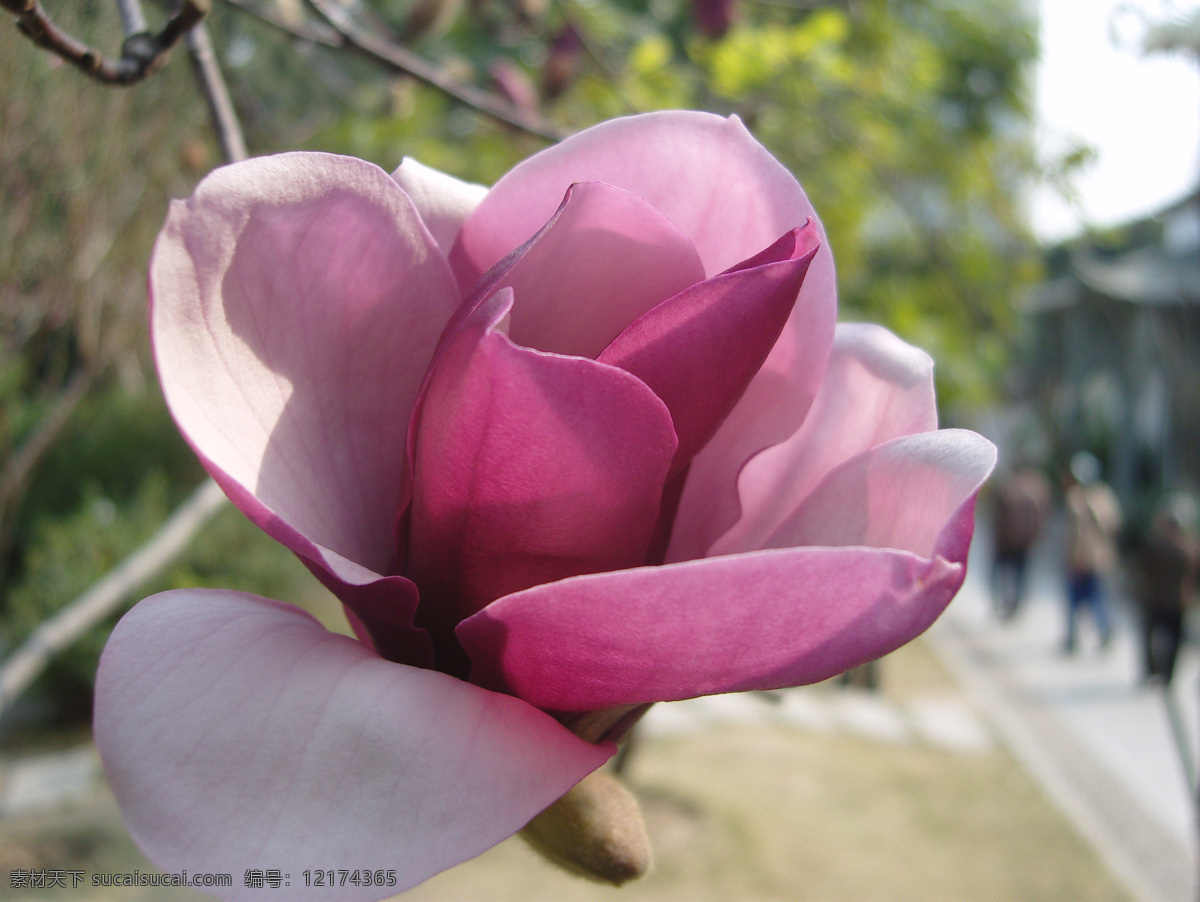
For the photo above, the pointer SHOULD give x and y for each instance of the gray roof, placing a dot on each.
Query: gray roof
(1148, 276)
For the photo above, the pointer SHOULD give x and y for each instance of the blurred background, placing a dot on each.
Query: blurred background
(1011, 185)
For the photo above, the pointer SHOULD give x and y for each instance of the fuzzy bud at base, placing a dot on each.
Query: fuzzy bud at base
(596, 831)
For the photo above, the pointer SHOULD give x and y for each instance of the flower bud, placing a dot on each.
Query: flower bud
(596, 830)
(713, 17)
(562, 62)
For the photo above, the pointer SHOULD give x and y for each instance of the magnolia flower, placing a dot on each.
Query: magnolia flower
(563, 448)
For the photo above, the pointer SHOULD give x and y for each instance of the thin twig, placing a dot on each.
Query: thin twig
(82, 614)
(133, 21)
(142, 54)
(398, 59)
(350, 36)
(216, 92)
(22, 461)
(313, 32)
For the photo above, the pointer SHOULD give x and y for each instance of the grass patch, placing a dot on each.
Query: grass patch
(763, 815)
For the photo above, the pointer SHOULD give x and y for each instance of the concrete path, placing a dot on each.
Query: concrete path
(1101, 743)
(34, 784)
(946, 721)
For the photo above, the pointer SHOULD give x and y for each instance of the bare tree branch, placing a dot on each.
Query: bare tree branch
(132, 19)
(313, 32)
(79, 616)
(401, 60)
(22, 461)
(216, 92)
(338, 31)
(142, 54)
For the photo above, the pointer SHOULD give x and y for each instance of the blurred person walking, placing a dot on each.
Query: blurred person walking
(1018, 514)
(1164, 578)
(1093, 522)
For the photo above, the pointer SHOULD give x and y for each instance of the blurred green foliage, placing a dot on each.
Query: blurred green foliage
(907, 121)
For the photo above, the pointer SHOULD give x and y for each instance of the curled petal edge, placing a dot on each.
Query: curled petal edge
(381, 609)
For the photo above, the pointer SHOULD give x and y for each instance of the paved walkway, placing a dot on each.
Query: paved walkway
(1102, 745)
(946, 720)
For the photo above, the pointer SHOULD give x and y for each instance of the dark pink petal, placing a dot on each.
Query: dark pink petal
(706, 173)
(876, 388)
(443, 201)
(604, 259)
(238, 733)
(759, 620)
(699, 350)
(529, 467)
(764, 620)
(296, 302)
(773, 407)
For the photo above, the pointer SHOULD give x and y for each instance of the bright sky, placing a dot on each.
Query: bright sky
(1140, 113)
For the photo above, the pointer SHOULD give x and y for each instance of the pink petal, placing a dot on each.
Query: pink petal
(876, 388)
(707, 174)
(773, 407)
(896, 495)
(732, 199)
(296, 302)
(529, 467)
(604, 259)
(763, 620)
(699, 350)
(238, 733)
(443, 201)
(759, 620)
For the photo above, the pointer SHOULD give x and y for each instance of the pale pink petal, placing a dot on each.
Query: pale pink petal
(699, 350)
(528, 468)
(238, 733)
(604, 259)
(896, 495)
(443, 201)
(706, 173)
(759, 620)
(296, 302)
(774, 406)
(876, 388)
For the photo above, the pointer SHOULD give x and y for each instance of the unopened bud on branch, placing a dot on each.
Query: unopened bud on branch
(596, 830)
